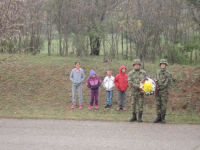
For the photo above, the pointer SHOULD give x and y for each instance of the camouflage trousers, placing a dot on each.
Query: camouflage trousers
(161, 102)
(137, 98)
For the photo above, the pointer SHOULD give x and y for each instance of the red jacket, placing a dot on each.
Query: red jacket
(121, 80)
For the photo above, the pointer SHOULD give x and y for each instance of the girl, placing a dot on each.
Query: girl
(93, 82)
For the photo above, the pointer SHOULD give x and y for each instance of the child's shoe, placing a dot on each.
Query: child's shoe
(118, 109)
(90, 107)
(96, 106)
(73, 106)
(80, 106)
(107, 106)
(124, 109)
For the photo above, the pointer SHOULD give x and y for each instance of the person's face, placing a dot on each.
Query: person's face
(109, 73)
(77, 66)
(137, 66)
(163, 66)
(123, 70)
(93, 75)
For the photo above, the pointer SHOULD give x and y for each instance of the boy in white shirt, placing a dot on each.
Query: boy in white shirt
(108, 83)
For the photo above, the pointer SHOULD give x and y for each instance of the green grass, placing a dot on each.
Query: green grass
(39, 87)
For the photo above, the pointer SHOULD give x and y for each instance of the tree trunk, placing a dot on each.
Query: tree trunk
(95, 45)
(131, 52)
(66, 46)
(122, 44)
(104, 51)
(191, 56)
(126, 44)
(60, 42)
(117, 44)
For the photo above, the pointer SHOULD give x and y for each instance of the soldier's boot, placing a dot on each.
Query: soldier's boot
(158, 119)
(140, 117)
(134, 118)
(163, 118)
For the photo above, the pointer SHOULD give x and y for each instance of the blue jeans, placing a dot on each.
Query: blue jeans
(109, 97)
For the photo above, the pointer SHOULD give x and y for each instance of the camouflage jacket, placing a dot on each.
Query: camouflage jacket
(164, 79)
(134, 78)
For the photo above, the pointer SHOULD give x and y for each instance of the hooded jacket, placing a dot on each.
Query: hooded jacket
(121, 80)
(93, 83)
(77, 77)
(108, 83)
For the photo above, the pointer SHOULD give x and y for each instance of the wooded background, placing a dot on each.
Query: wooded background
(145, 29)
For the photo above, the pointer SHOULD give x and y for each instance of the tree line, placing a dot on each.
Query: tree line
(143, 29)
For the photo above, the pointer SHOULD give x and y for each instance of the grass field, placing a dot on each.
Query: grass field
(39, 87)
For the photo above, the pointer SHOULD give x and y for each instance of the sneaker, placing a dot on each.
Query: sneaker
(73, 106)
(96, 106)
(107, 106)
(80, 106)
(124, 109)
(90, 107)
(118, 109)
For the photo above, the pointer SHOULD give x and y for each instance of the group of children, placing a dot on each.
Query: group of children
(93, 82)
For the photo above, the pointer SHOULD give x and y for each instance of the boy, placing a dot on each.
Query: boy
(163, 79)
(108, 83)
(77, 76)
(121, 82)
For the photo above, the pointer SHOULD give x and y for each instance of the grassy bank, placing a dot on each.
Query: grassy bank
(39, 87)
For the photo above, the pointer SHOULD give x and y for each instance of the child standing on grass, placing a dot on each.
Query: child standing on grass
(108, 83)
(93, 82)
(121, 82)
(77, 76)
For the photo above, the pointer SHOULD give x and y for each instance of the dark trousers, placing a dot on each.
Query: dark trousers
(121, 99)
(94, 94)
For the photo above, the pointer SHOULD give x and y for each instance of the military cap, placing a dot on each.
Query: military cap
(137, 61)
(163, 61)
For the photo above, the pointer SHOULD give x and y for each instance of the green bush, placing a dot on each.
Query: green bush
(177, 55)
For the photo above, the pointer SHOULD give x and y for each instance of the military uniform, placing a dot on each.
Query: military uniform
(163, 77)
(134, 78)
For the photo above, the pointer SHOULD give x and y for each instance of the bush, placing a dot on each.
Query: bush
(177, 55)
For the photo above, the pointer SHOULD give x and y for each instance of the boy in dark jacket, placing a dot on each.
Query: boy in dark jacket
(93, 82)
(121, 82)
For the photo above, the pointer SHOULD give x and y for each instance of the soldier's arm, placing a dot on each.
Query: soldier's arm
(131, 83)
(157, 78)
(129, 80)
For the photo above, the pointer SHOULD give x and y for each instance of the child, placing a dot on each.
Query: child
(93, 82)
(121, 82)
(108, 83)
(77, 76)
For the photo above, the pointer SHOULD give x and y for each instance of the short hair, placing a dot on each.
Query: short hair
(77, 62)
(109, 71)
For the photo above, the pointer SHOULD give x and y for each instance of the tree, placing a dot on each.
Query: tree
(15, 20)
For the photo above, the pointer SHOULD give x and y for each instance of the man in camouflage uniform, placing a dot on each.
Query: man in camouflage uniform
(163, 79)
(134, 78)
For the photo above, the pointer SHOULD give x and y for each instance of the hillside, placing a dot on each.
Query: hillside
(39, 87)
